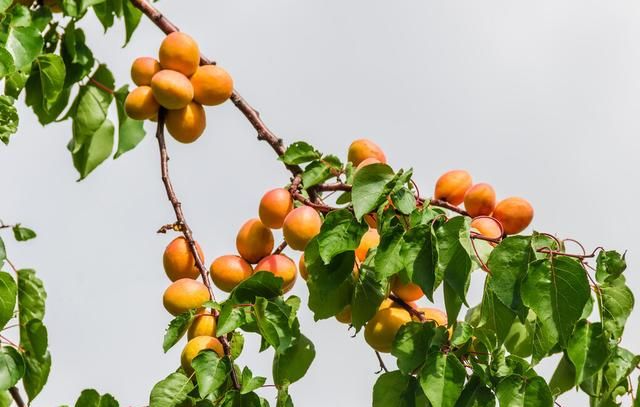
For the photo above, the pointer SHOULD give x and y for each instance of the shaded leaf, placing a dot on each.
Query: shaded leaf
(130, 132)
(291, 365)
(171, 391)
(442, 379)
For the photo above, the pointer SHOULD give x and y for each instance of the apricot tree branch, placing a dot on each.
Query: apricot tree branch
(382, 365)
(15, 394)
(418, 314)
(294, 189)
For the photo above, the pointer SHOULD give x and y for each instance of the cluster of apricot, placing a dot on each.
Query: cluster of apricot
(179, 84)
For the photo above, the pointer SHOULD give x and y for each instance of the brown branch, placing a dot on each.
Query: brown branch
(338, 186)
(294, 189)
(15, 394)
(416, 313)
(280, 247)
(382, 365)
(101, 86)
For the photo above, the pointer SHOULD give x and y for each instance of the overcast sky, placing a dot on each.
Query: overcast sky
(541, 99)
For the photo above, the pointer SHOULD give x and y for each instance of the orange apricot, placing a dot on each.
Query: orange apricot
(178, 260)
(381, 330)
(515, 214)
(179, 52)
(143, 69)
(369, 240)
(281, 266)
(435, 315)
(183, 295)
(479, 200)
(452, 185)
(362, 149)
(344, 316)
(487, 227)
(203, 324)
(212, 85)
(195, 346)
(254, 241)
(367, 161)
(186, 125)
(300, 226)
(229, 271)
(140, 104)
(274, 206)
(407, 292)
(171, 89)
(303, 268)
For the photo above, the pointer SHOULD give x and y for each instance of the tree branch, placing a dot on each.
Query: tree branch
(15, 394)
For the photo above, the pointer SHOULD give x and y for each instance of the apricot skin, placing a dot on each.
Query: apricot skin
(254, 241)
(487, 227)
(300, 226)
(367, 161)
(407, 292)
(480, 200)
(383, 327)
(179, 52)
(140, 104)
(183, 295)
(212, 85)
(143, 69)
(369, 240)
(178, 261)
(362, 149)
(515, 214)
(452, 185)
(274, 206)
(194, 346)
(186, 125)
(302, 267)
(171, 89)
(229, 271)
(281, 266)
(203, 324)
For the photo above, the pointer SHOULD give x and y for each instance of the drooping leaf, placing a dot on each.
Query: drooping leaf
(368, 294)
(233, 317)
(420, 257)
(394, 389)
(176, 329)
(261, 284)
(619, 366)
(6, 63)
(442, 379)
(370, 188)
(31, 296)
(509, 262)
(211, 371)
(518, 391)
(8, 118)
(273, 318)
(77, 56)
(11, 367)
(476, 394)
(609, 266)
(130, 132)
(564, 377)
(454, 255)
(340, 232)
(24, 44)
(495, 315)
(588, 350)
(388, 259)
(291, 365)
(617, 301)
(132, 16)
(171, 391)
(8, 297)
(411, 344)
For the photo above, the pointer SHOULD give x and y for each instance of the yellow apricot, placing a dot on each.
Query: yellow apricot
(195, 346)
(143, 69)
(254, 241)
(203, 324)
(367, 161)
(178, 260)
(140, 104)
(300, 226)
(383, 327)
(171, 89)
(452, 185)
(435, 315)
(369, 240)
(303, 268)
(479, 200)
(229, 271)
(274, 206)
(515, 214)
(212, 85)
(281, 266)
(186, 125)
(344, 316)
(183, 295)
(362, 149)
(487, 227)
(179, 52)
(406, 292)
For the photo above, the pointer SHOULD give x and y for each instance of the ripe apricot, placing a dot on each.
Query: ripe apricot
(281, 266)
(254, 241)
(203, 324)
(344, 316)
(171, 89)
(435, 315)
(178, 261)
(274, 206)
(515, 214)
(186, 125)
(183, 295)
(407, 292)
(195, 346)
(300, 226)
(367, 161)
(369, 240)
(179, 52)
(143, 69)
(229, 271)
(140, 104)
(487, 227)
(452, 185)
(480, 200)
(362, 149)
(212, 85)
(383, 327)
(303, 268)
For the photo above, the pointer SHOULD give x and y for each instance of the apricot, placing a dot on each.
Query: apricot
(212, 85)
(186, 125)
(344, 316)
(195, 346)
(281, 266)
(229, 271)
(140, 104)
(183, 295)
(303, 268)
(254, 241)
(515, 214)
(487, 227)
(179, 52)
(203, 324)
(178, 260)
(406, 292)
(171, 89)
(367, 161)
(452, 185)
(143, 69)
(362, 149)
(300, 226)
(369, 240)
(383, 327)
(435, 315)
(480, 200)
(274, 206)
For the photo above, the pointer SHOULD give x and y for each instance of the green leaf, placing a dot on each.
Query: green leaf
(340, 233)
(442, 379)
(420, 257)
(4, 5)
(368, 294)
(236, 344)
(8, 118)
(404, 201)
(91, 398)
(519, 340)
(617, 301)
(388, 259)
(618, 368)
(509, 262)
(24, 44)
(588, 350)
(171, 391)
(545, 338)
(22, 234)
(250, 383)
(19, 16)
(232, 318)
(291, 365)
(370, 188)
(563, 378)
(393, 389)
(11, 367)
(454, 256)
(45, 95)
(176, 329)
(211, 371)
(299, 153)
(274, 322)
(517, 391)
(609, 266)
(31, 297)
(52, 72)
(6, 63)
(130, 132)
(8, 293)
(316, 173)
(495, 315)
(132, 16)
(77, 56)
(411, 344)
(476, 394)
(260, 284)
(462, 333)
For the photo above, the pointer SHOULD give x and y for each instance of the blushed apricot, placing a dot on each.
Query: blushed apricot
(303, 268)
(452, 185)
(171, 89)
(435, 315)
(229, 271)
(362, 149)
(203, 324)
(515, 214)
(212, 85)
(281, 266)
(195, 346)
(407, 292)
(369, 240)
(300, 226)
(367, 161)
(178, 261)
(140, 104)
(480, 200)
(183, 295)
(254, 241)
(344, 316)
(143, 69)
(186, 125)
(487, 227)
(179, 52)
(274, 206)
(383, 327)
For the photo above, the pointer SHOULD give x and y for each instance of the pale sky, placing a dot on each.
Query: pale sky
(541, 99)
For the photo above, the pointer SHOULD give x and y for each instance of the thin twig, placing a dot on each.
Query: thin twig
(417, 313)
(382, 365)
(280, 247)
(15, 394)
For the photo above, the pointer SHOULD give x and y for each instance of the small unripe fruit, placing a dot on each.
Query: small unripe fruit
(480, 200)
(229, 271)
(254, 241)
(171, 89)
(303, 268)
(435, 315)
(381, 330)
(179, 52)
(183, 295)
(300, 226)
(203, 324)
(407, 292)
(515, 214)
(275, 205)
(143, 69)
(369, 240)
(140, 104)
(212, 85)
(452, 185)
(367, 161)
(186, 125)
(280, 266)
(178, 260)
(195, 346)
(362, 149)
(487, 227)
(344, 316)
